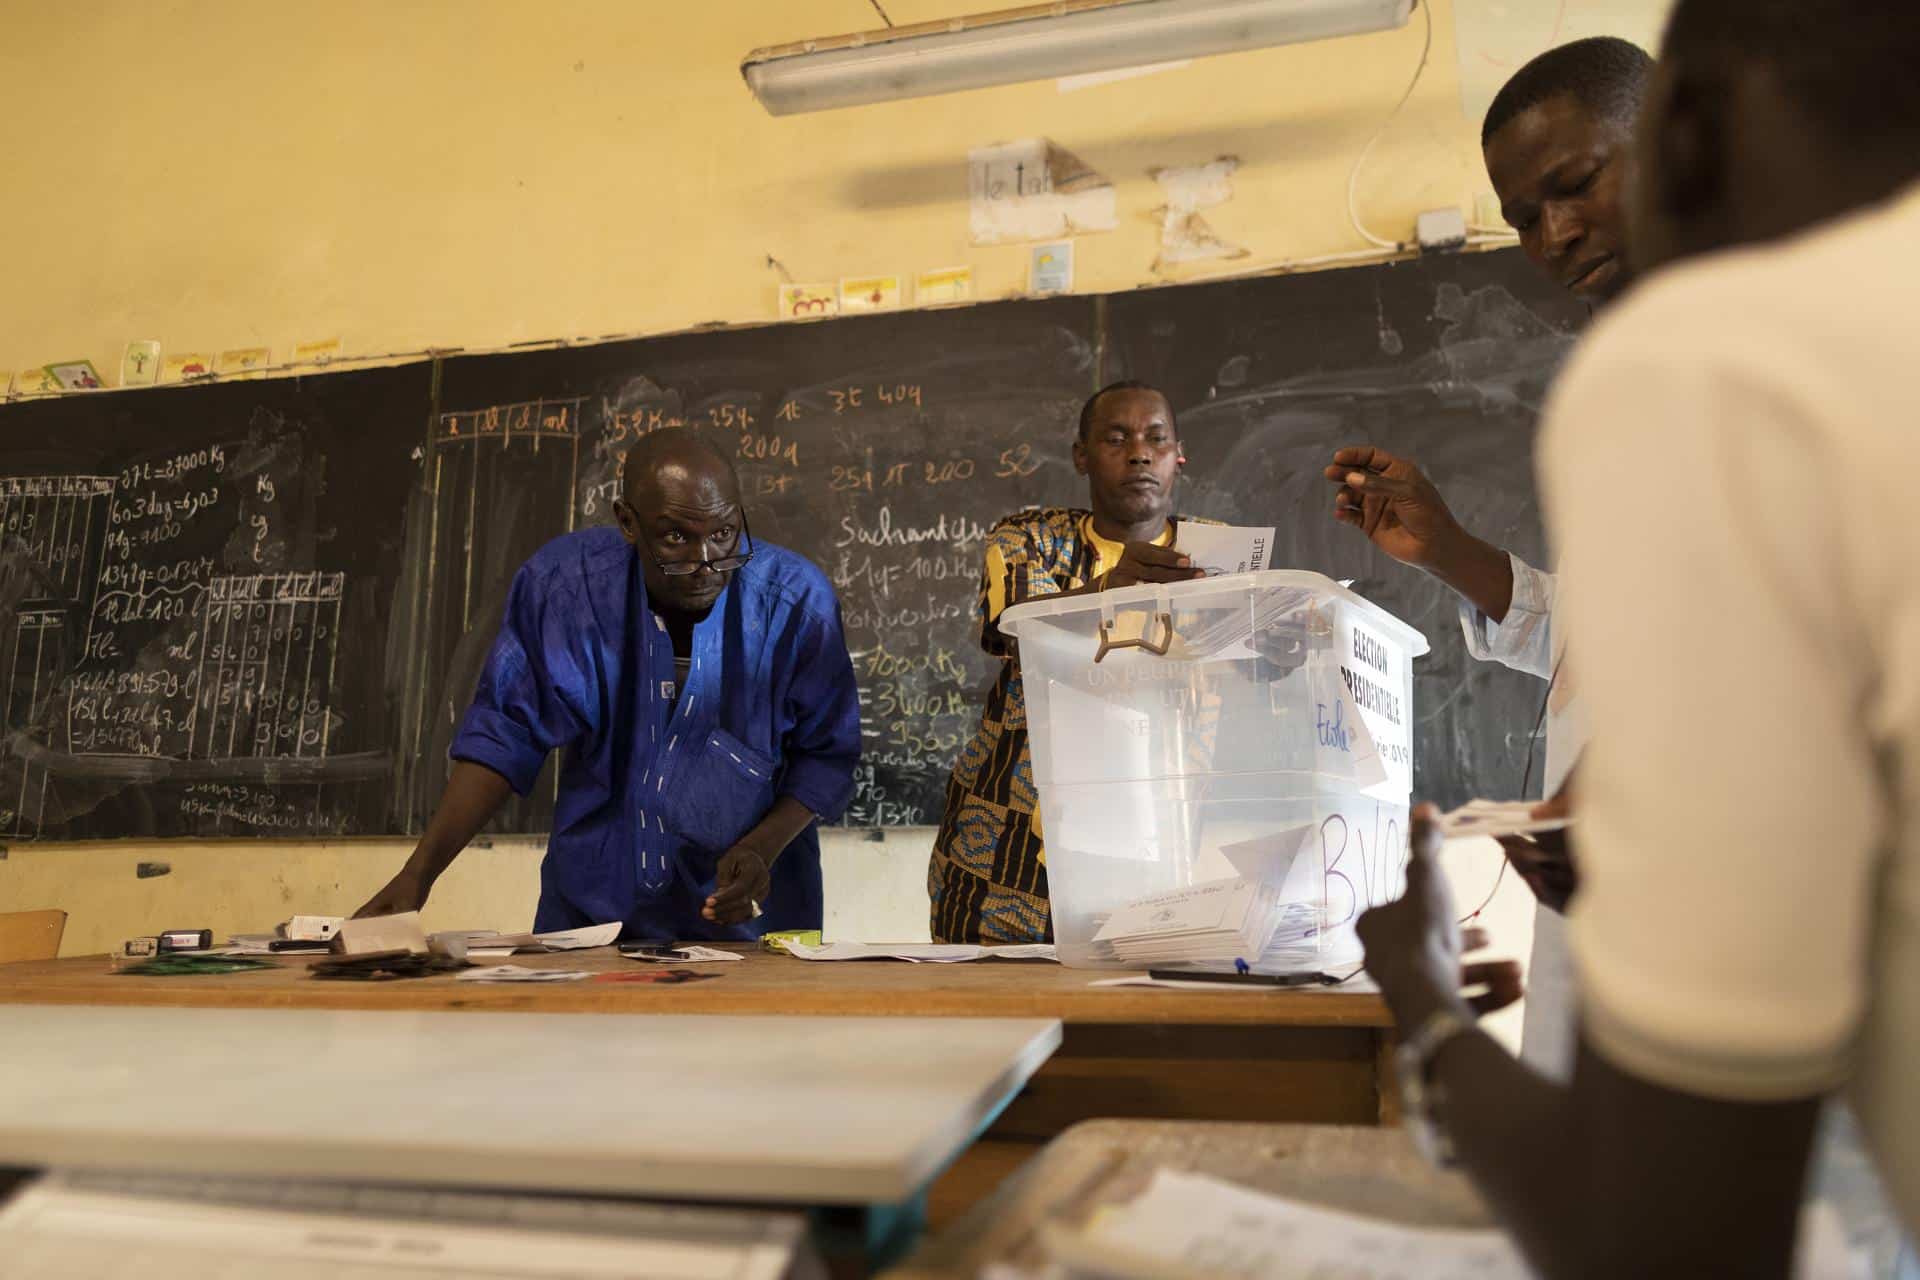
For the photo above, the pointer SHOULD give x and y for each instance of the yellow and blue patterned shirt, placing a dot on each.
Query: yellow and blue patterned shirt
(988, 878)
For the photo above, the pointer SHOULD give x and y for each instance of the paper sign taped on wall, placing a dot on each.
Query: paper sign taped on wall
(1034, 190)
(1184, 234)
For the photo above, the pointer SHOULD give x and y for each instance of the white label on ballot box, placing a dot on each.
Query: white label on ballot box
(1373, 673)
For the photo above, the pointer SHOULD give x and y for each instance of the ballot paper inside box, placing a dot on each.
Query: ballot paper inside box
(1254, 727)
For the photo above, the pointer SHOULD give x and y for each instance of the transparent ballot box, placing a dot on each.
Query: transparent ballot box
(1256, 727)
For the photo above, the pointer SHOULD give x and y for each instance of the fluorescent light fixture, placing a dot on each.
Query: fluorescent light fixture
(1041, 42)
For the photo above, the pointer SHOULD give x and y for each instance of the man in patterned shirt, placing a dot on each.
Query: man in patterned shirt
(988, 878)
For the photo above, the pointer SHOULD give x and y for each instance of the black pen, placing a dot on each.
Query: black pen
(1315, 979)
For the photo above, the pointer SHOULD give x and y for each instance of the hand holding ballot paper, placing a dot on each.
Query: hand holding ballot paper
(1217, 549)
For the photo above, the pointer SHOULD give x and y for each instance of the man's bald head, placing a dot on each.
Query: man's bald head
(678, 467)
(680, 506)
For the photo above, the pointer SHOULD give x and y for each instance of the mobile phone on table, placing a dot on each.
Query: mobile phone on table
(649, 947)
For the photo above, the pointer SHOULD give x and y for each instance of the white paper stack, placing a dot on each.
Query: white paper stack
(1214, 923)
(920, 952)
(487, 943)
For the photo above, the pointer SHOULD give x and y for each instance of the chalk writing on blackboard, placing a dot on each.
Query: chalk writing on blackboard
(269, 645)
(61, 519)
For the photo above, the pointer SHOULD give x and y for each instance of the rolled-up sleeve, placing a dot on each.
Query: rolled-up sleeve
(536, 692)
(1523, 639)
(823, 746)
(1731, 815)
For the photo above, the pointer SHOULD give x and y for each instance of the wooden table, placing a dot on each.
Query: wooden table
(769, 1109)
(1363, 1170)
(1272, 1056)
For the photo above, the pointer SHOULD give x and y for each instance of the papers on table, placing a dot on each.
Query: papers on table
(1222, 549)
(691, 955)
(1188, 1225)
(486, 942)
(1185, 1224)
(919, 952)
(1221, 921)
(1497, 818)
(520, 973)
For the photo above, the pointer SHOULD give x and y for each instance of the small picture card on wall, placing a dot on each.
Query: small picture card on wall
(869, 293)
(75, 375)
(1051, 270)
(803, 301)
(185, 366)
(949, 284)
(140, 366)
(324, 351)
(244, 361)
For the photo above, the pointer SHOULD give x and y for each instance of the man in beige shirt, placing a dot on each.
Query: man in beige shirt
(1727, 454)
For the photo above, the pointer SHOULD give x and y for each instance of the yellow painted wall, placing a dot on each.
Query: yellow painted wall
(406, 173)
(403, 173)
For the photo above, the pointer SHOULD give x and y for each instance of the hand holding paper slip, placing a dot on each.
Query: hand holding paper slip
(1496, 818)
(1221, 549)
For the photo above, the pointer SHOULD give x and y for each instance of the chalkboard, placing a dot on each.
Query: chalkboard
(194, 587)
(158, 544)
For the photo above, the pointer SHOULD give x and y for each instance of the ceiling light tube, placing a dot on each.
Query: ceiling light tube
(1041, 42)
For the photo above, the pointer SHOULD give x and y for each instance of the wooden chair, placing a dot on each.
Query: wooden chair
(30, 935)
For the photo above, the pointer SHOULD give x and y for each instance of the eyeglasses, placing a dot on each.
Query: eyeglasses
(719, 564)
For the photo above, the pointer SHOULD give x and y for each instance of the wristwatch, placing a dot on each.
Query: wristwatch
(1420, 1096)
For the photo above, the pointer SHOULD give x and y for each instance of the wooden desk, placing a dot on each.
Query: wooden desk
(782, 1110)
(1275, 1056)
(1362, 1170)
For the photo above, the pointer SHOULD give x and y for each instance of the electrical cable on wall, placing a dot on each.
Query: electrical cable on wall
(1353, 175)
